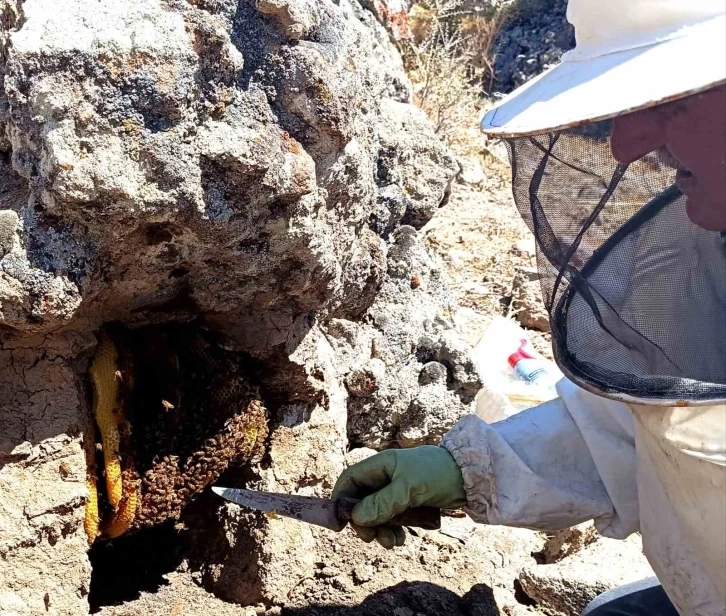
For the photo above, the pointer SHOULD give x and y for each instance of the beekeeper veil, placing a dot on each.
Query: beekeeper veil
(635, 291)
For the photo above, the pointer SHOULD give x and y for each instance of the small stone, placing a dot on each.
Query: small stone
(8, 225)
(563, 543)
(363, 574)
(432, 372)
(403, 611)
(567, 586)
(341, 582)
(358, 455)
(330, 572)
(470, 171)
(447, 571)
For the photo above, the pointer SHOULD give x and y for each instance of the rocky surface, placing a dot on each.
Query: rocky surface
(241, 167)
(533, 37)
(411, 376)
(43, 564)
(566, 587)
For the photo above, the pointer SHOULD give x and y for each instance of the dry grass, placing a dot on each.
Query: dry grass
(448, 59)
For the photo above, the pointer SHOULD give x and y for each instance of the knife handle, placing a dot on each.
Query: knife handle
(427, 518)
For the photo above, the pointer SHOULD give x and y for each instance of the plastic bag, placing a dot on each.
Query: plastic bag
(506, 390)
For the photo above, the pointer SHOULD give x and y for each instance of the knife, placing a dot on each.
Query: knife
(325, 512)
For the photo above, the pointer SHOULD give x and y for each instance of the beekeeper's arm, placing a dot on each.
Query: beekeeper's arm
(550, 467)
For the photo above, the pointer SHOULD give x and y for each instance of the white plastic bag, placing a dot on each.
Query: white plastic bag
(503, 393)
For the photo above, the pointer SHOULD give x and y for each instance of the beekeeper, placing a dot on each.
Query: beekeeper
(619, 167)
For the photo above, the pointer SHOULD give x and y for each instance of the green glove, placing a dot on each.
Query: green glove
(395, 480)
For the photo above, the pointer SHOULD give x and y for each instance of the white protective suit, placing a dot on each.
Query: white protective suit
(660, 471)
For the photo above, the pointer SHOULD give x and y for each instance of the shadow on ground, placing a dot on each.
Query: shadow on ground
(411, 599)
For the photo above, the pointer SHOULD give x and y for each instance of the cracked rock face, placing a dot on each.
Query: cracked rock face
(247, 165)
(43, 568)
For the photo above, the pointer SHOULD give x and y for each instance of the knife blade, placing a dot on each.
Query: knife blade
(328, 513)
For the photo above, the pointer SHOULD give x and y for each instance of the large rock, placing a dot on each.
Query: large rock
(237, 166)
(409, 375)
(205, 149)
(306, 454)
(527, 303)
(567, 586)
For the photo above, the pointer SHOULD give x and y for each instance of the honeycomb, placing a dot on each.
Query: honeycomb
(171, 412)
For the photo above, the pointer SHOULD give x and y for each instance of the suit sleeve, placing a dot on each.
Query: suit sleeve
(552, 466)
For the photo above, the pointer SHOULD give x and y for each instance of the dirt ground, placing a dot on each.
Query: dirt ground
(482, 239)
(464, 570)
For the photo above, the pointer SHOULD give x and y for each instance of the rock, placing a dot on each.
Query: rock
(415, 171)
(192, 174)
(433, 373)
(431, 413)
(306, 457)
(567, 586)
(532, 39)
(342, 583)
(43, 564)
(8, 226)
(563, 543)
(358, 455)
(470, 171)
(298, 18)
(384, 52)
(525, 247)
(457, 528)
(329, 572)
(527, 303)
(363, 574)
(416, 399)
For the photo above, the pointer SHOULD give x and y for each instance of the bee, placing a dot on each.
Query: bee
(64, 469)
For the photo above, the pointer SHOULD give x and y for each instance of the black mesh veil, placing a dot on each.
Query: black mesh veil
(635, 291)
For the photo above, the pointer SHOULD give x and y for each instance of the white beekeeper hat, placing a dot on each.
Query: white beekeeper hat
(630, 55)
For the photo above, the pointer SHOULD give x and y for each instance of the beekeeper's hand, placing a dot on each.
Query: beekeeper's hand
(393, 481)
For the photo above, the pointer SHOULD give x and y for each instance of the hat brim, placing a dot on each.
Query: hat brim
(578, 92)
